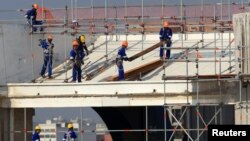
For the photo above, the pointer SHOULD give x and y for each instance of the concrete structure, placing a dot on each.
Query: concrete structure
(148, 109)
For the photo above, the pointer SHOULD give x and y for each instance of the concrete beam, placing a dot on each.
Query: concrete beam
(94, 89)
(117, 101)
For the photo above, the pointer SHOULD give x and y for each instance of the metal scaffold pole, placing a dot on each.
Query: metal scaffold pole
(81, 111)
(32, 53)
(215, 43)
(65, 42)
(42, 10)
(142, 34)
(197, 92)
(25, 124)
(146, 115)
(126, 19)
(92, 24)
(106, 23)
(165, 121)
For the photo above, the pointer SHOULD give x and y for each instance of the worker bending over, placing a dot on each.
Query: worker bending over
(31, 16)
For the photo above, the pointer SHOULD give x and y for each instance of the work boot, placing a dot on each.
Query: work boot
(50, 77)
(43, 76)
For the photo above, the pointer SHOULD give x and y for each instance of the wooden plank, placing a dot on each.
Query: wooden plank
(145, 51)
(136, 71)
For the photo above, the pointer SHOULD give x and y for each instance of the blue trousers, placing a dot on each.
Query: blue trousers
(167, 51)
(119, 64)
(77, 73)
(47, 62)
(37, 23)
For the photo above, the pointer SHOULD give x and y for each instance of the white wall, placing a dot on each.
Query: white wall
(16, 56)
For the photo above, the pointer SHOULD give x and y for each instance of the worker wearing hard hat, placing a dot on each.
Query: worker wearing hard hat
(165, 36)
(82, 44)
(48, 56)
(76, 57)
(70, 135)
(35, 136)
(119, 59)
(31, 16)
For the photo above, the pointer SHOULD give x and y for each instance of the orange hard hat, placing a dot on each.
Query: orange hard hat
(75, 43)
(35, 6)
(125, 43)
(166, 24)
(50, 37)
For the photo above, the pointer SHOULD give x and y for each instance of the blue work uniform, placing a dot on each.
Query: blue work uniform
(165, 35)
(119, 62)
(35, 136)
(69, 136)
(48, 57)
(76, 56)
(31, 17)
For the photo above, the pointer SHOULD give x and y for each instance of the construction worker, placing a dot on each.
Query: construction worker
(119, 59)
(35, 136)
(31, 16)
(70, 135)
(48, 56)
(165, 36)
(76, 56)
(82, 44)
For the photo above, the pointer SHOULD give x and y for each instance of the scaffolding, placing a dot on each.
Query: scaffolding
(137, 20)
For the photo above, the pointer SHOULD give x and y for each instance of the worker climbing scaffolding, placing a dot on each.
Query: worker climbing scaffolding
(31, 17)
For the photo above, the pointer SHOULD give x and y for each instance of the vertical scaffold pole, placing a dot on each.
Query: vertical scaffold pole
(126, 18)
(230, 38)
(32, 53)
(146, 130)
(215, 43)
(92, 24)
(25, 125)
(65, 42)
(106, 22)
(81, 111)
(42, 10)
(142, 34)
(72, 10)
(197, 92)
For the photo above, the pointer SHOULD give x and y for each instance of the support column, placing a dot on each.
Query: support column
(12, 124)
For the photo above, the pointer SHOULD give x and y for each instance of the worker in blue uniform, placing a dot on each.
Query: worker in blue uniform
(70, 135)
(31, 16)
(35, 136)
(48, 56)
(119, 59)
(76, 57)
(165, 36)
